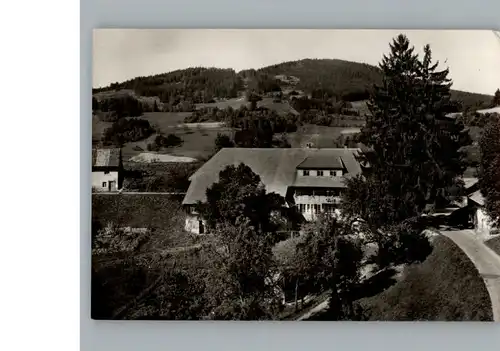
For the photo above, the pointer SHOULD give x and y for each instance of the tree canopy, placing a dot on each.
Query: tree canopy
(329, 258)
(239, 192)
(496, 98)
(417, 153)
(489, 175)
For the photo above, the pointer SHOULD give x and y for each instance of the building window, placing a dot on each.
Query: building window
(305, 172)
(329, 208)
(320, 173)
(317, 209)
(103, 184)
(106, 172)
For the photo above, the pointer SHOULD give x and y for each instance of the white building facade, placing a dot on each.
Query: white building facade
(310, 180)
(107, 170)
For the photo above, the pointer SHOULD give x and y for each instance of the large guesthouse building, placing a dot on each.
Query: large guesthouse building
(310, 179)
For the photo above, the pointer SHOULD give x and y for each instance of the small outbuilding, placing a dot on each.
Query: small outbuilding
(481, 220)
(107, 170)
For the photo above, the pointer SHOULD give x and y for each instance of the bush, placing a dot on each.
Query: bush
(161, 177)
(223, 141)
(119, 106)
(127, 130)
(160, 141)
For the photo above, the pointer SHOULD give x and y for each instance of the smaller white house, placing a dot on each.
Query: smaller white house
(107, 170)
(481, 220)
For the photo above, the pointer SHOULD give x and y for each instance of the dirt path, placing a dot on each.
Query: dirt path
(486, 261)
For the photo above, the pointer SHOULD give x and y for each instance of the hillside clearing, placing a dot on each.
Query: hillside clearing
(319, 136)
(445, 287)
(138, 211)
(198, 139)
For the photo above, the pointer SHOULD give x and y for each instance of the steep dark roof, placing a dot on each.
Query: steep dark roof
(321, 160)
(276, 168)
(477, 197)
(102, 158)
(319, 182)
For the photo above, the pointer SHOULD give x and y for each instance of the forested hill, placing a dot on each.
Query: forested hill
(342, 80)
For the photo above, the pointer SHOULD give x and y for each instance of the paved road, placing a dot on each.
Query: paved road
(486, 261)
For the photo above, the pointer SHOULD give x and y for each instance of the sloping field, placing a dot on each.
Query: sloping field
(98, 128)
(319, 136)
(137, 211)
(282, 108)
(494, 244)
(166, 120)
(150, 157)
(445, 287)
(198, 139)
(234, 103)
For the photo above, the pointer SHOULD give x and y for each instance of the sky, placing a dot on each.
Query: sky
(473, 57)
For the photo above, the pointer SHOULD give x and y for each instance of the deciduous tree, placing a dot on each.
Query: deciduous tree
(239, 192)
(329, 257)
(241, 280)
(496, 99)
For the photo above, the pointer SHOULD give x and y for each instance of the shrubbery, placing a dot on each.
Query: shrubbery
(164, 142)
(160, 177)
(127, 130)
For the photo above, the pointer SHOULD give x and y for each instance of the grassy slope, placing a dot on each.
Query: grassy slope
(118, 279)
(156, 211)
(445, 287)
(198, 142)
(320, 136)
(494, 244)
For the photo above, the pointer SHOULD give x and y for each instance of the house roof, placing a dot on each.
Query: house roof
(319, 182)
(470, 172)
(276, 167)
(321, 160)
(470, 182)
(477, 197)
(105, 157)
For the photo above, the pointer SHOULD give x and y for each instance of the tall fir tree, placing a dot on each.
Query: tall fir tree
(496, 99)
(417, 154)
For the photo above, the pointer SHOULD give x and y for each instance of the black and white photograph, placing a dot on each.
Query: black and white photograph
(295, 175)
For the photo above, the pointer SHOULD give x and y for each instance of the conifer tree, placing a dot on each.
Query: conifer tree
(417, 153)
(496, 99)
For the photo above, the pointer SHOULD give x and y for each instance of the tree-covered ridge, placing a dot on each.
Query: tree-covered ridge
(343, 80)
(196, 85)
(320, 78)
